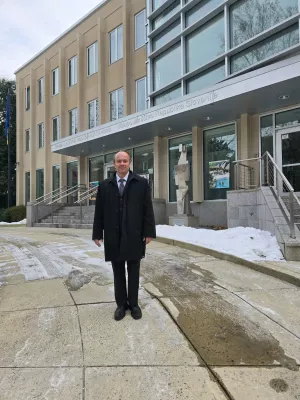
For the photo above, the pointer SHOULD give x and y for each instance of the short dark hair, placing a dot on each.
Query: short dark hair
(122, 151)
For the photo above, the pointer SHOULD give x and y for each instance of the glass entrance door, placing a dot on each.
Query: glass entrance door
(288, 155)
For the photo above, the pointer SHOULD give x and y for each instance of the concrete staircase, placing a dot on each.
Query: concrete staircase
(69, 217)
(296, 207)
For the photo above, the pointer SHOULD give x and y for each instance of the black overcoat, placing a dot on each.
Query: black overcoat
(123, 232)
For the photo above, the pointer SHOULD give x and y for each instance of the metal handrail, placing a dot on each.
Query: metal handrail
(66, 193)
(86, 194)
(42, 199)
(275, 181)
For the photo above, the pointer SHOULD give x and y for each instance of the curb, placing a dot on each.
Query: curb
(264, 269)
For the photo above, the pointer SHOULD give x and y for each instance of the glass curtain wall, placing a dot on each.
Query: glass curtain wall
(205, 48)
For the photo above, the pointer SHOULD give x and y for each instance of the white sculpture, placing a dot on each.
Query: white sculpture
(182, 177)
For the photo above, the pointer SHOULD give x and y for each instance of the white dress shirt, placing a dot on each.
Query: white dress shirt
(125, 179)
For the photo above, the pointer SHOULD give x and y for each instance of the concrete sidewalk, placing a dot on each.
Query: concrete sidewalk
(211, 329)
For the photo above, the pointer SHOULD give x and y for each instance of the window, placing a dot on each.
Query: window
(140, 29)
(166, 35)
(55, 82)
(55, 181)
(92, 59)
(93, 119)
(143, 161)
(41, 91)
(116, 44)
(27, 187)
(39, 183)
(266, 134)
(72, 174)
(27, 140)
(116, 101)
(55, 129)
(200, 10)
(27, 98)
(157, 3)
(206, 79)
(210, 39)
(248, 18)
(41, 135)
(174, 155)
(288, 118)
(72, 71)
(265, 49)
(219, 153)
(141, 90)
(163, 74)
(73, 123)
(168, 95)
(166, 14)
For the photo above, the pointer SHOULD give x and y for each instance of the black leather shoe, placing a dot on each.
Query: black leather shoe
(120, 313)
(136, 312)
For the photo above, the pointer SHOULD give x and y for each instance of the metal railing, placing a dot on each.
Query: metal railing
(263, 171)
(58, 198)
(87, 195)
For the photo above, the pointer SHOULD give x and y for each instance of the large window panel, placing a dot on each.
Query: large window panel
(27, 187)
(143, 162)
(206, 43)
(168, 34)
(141, 94)
(266, 134)
(39, 183)
(200, 10)
(116, 44)
(167, 67)
(265, 49)
(116, 100)
(206, 79)
(248, 18)
(166, 14)
(288, 118)
(219, 153)
(168, 95)
(174, 155)
(157, 3)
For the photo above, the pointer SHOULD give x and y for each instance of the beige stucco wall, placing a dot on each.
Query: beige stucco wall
(122, 73)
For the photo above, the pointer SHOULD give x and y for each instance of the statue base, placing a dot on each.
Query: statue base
(184, 220)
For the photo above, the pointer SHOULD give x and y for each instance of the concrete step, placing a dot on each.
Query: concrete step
(67, 221)
(73, 226)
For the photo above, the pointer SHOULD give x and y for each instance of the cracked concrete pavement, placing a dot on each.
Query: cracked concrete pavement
(210, 329)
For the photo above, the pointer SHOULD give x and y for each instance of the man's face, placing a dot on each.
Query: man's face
(122, 163)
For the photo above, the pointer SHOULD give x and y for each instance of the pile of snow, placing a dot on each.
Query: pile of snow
(248, 243)
(23, 222)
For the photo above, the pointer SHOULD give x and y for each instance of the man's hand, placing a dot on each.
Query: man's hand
(147, 240)
(98, 242)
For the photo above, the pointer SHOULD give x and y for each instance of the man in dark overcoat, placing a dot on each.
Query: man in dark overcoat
(124, 218)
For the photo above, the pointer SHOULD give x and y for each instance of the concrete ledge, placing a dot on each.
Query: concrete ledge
(257, 266)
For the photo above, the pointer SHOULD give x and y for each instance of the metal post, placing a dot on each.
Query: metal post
(292, 215)
(52, 211)
(267, 166)
(80, 213)
(237, 176)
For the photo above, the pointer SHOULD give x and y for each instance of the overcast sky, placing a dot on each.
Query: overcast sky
(27, 26)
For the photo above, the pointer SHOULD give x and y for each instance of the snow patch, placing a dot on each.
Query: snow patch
(23, 222)
(248, 243)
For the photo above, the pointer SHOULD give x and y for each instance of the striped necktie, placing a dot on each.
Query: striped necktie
(121, 187)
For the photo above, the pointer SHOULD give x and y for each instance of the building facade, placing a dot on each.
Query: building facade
(219, 76)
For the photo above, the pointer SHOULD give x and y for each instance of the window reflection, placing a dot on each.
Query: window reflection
(168, 95)
(163, 74)
(248, 18)
(206, 79)
(200, 10)
(266, 134)
(269, 47)
(205, 44)
(166, 14)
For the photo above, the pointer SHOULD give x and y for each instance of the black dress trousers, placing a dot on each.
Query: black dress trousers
(121, 295)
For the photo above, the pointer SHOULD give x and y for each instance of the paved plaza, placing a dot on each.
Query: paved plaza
(210, 330)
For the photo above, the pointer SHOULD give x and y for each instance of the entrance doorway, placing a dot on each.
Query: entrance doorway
(288, 155)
